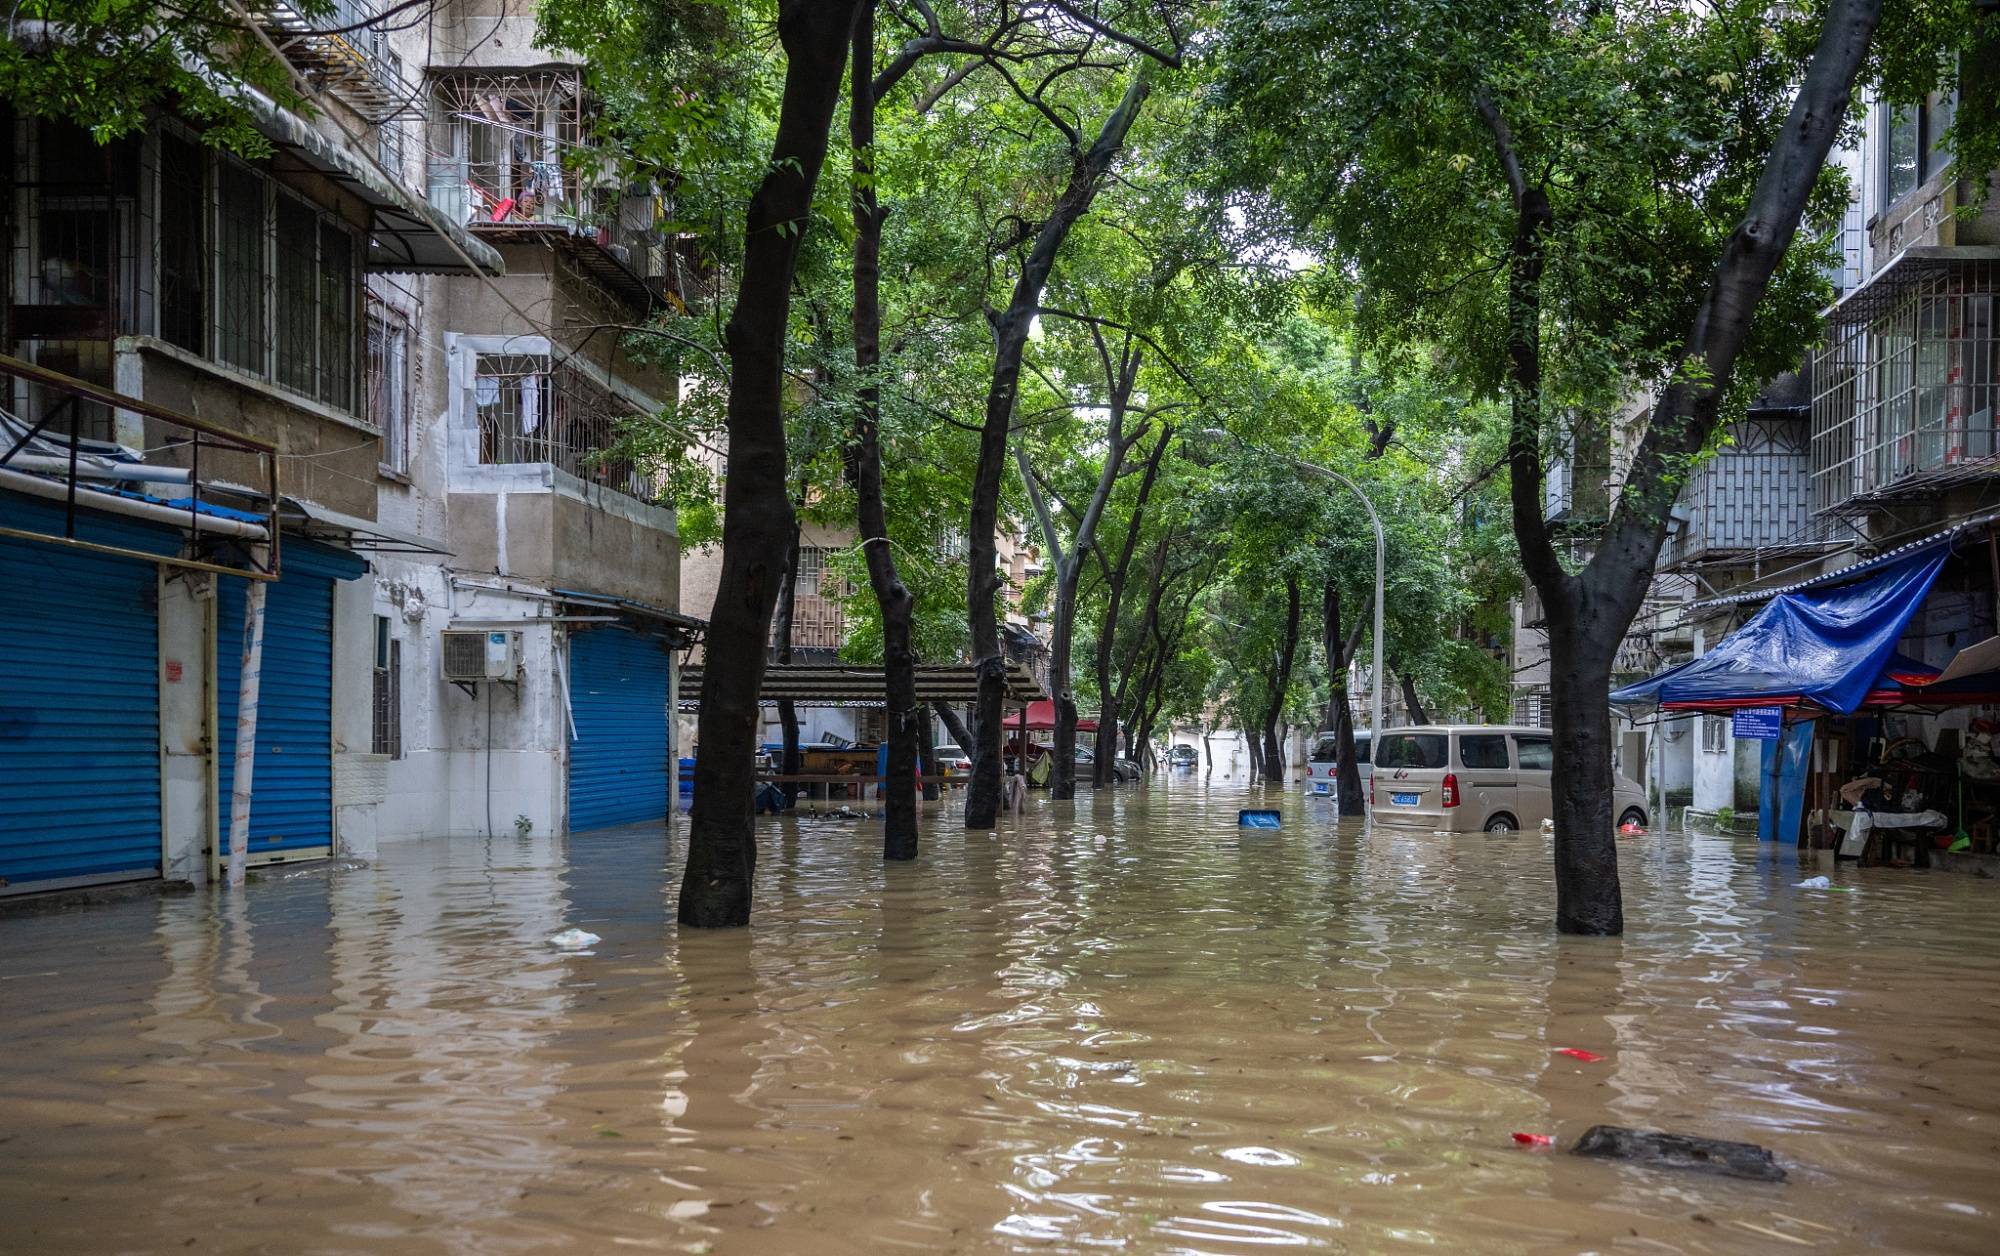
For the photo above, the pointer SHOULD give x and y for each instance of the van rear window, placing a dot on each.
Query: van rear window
(1326, 749)
(1412, 750)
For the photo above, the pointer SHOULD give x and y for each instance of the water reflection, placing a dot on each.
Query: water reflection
(1115, 1022)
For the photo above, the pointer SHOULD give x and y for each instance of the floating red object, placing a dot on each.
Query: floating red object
(1534, 1140)
(1578, 1053)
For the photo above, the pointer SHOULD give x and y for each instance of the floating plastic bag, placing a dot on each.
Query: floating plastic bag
(1814, 883)
(574, 940)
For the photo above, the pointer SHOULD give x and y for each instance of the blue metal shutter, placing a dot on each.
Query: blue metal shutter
(79, 711)
(618, 698)
(291, 805)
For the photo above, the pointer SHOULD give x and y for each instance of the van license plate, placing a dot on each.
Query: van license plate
(1319, 787)
(1403, 800)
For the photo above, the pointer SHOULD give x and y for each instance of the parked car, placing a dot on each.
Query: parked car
(952, 761)
(1183, 756)
(1322, 766)
(1468, 777)
(1121, 769)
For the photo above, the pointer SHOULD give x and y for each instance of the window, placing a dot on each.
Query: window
(1714, 734)
(284, 282)
(388, 385)
(1326, 749)
(500, 144)
(240, 212)
(183, 244)
(1484, 751)
(1912, 145)
(388, 736)
(1412, 750)
(1537, 754)
(1900, 144)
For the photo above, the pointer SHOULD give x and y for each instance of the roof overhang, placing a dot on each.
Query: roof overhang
(686, 629)
(1911, 267)
(1949, 535)
(317, 523)
(406, 235)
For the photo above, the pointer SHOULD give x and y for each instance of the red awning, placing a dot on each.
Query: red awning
(1042, 717)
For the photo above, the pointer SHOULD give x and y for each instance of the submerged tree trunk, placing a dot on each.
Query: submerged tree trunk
(899, 658)
(1339, 651)
(1280, 685)
(790, 763)
(1010, 340)
(757, 514)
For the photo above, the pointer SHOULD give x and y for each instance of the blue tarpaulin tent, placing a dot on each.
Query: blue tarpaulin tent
(1826, 649)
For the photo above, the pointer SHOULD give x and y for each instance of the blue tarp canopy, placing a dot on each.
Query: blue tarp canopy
(1827, 648)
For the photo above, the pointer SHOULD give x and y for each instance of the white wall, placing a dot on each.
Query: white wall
(440, 784)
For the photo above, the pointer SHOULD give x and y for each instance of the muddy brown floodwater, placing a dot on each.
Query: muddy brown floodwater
(1117, 1025)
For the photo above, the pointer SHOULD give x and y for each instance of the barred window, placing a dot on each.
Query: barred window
(388, 733)
(183, 241)
(240, 265)
(532, 411)
(388, 384)
(1714, 734)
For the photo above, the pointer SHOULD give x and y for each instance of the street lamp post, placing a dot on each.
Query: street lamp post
(1375, 520)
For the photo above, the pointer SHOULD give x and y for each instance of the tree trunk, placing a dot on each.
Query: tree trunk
(1116, 576)
(899, 658)
(1208, 750)
(927, 754)
(1589, 612)
(1587, 895)
(1281, 683)
(790, 764)
(1254, 743)
(1339, 650)
(956, 727)
(757, 514)
(1417, 713)
(1010, 340)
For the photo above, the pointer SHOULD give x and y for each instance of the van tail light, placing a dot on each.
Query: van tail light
(1450, 791)
(1371, 791)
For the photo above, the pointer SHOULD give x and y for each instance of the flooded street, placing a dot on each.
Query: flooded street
(1117, 1025)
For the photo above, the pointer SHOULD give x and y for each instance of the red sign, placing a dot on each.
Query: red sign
(173, 672)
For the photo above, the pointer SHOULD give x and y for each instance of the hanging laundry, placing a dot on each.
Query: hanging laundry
(531, 404)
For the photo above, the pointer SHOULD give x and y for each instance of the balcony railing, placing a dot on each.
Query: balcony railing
(512, 152)
(530, 412)
(1906, 385)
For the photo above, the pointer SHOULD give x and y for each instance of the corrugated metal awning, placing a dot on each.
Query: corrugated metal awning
(1950, 535)
(847, 685)
(406, 235)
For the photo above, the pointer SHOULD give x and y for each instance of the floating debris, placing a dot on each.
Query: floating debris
(1679, 1151)
(574, 940)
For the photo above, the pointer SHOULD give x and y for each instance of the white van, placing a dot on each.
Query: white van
(1323, 768)
(1466, 777)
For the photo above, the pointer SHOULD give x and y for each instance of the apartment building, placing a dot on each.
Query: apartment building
(378, 370)
(1886, 437)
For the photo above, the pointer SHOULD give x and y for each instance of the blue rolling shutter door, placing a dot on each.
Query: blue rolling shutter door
(79, 715)
(618, 758)
(291, 805)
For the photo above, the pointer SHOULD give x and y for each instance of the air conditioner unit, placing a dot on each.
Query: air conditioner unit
(475, 656)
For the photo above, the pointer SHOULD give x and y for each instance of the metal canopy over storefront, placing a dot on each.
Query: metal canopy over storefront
(819, 685)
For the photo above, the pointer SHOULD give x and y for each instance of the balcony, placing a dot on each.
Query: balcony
(340, 51)
(1750, 501)
(510, 159)
(530, 411)
(1906, 383)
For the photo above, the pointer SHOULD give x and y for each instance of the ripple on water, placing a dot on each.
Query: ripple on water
(1115, 1024)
